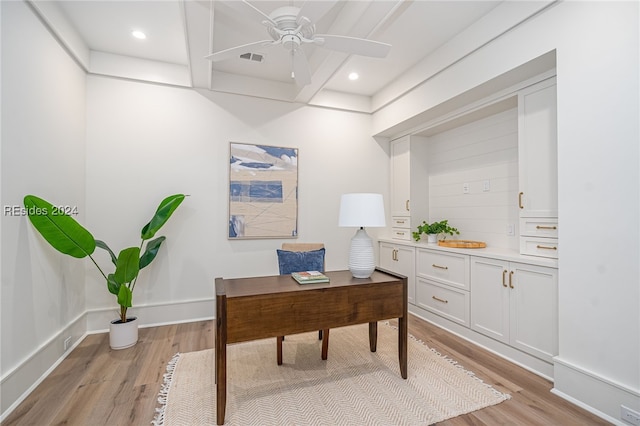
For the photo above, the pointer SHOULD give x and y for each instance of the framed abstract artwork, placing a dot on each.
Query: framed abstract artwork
(263, 191)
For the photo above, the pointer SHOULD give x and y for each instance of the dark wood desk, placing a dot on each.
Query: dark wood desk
(261, 307)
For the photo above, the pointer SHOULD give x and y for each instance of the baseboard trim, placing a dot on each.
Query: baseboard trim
(154, 315)
(594, 393)
(22, 379)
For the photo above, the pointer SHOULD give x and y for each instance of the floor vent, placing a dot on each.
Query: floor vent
(252, 57)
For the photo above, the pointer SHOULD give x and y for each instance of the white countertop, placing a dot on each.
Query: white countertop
(490, 252)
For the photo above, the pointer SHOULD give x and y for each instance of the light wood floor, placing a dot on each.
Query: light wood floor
(97, 386)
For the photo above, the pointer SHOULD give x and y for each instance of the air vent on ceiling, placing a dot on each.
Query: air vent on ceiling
(252, 57)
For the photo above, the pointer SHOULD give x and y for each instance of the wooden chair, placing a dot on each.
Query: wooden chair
(322, 334)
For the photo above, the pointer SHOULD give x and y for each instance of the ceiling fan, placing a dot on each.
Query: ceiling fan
(292, 27)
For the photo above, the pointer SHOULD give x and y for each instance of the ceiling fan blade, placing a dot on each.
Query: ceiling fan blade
(233, 52)
(257, 13)
(301, 67)
(314, 10)
(357, 46)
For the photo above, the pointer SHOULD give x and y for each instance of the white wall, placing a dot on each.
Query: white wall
(43, 124)
(598, 160)
(146, 141)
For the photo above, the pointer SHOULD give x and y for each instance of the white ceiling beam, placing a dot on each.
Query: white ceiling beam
(363, 19)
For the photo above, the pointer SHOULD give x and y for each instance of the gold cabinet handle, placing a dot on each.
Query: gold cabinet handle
(511, 279)
(546, 247)
(400, 221)
(439, 300)
(440, 267)
(394, 255)
(520, 200)
(406, 205)
(504, 278)
(546, 227)
(399, 233)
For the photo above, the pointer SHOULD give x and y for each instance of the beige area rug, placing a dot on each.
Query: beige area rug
(353, 387)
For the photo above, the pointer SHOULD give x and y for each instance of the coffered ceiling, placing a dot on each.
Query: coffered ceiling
(179, 34)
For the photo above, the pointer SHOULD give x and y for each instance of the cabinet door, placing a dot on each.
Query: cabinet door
(534, 310)
(537, 151)
(400, 259)
(400, 177)
(387, 256)
(490, 298)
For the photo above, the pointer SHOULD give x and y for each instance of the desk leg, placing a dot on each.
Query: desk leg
(402, 345)
(279, 340)
(221, 358)
(325, 344)
(373, 336)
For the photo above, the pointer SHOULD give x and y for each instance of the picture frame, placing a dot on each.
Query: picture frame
(263, 191)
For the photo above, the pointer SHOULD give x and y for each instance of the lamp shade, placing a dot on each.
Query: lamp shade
(361, 209)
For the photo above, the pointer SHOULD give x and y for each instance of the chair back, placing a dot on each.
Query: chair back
(288, 265)
(302, 246)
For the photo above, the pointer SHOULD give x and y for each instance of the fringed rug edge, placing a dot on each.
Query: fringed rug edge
(167, 380)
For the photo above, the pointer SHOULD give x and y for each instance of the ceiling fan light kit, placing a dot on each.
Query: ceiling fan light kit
(291, 27)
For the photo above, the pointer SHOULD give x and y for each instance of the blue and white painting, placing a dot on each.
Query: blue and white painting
(263, 191)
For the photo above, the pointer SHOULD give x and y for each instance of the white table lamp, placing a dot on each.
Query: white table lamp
(361, 210)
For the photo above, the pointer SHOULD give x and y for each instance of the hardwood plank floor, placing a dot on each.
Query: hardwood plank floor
(95, 385)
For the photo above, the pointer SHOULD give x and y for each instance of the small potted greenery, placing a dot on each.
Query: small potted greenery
(432, 230)
(67, 236)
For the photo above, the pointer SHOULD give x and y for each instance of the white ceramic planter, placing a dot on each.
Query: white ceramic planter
(123, 335)
(432, 238)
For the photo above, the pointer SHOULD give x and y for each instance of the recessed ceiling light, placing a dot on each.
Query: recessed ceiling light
(138, 34)
(353, 76)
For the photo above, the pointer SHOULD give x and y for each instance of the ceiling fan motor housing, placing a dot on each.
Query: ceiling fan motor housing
(290, 29)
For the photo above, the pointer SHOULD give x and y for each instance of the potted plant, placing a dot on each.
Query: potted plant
(67, 236)
(432, 230)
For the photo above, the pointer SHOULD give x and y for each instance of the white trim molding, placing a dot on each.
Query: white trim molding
(592, 392)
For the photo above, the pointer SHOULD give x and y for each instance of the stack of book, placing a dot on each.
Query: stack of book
(310, 277)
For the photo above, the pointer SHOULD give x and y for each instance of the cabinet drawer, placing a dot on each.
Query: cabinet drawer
(447, 302)
(401, 234)
(543, 247)
(447, 268)
(539, 227)
(401, 222)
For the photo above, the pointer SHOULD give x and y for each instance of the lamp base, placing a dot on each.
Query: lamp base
(361, 258)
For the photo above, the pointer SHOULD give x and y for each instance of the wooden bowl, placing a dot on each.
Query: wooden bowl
(462, 244)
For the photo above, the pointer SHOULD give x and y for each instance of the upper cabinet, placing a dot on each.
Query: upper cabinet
(538, 169)
(401, 177)
(409, 185)
(537, 150)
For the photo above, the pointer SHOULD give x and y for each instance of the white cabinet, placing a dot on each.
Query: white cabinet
(451, 269)
(537, 150)
(538, 169)
(443, 300)
(400, 177)
(400, 259)
(516, 304)
(409, 185)
(442, 284)
(494, 298)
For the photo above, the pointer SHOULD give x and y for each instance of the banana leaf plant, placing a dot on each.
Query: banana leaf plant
(67, 236)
